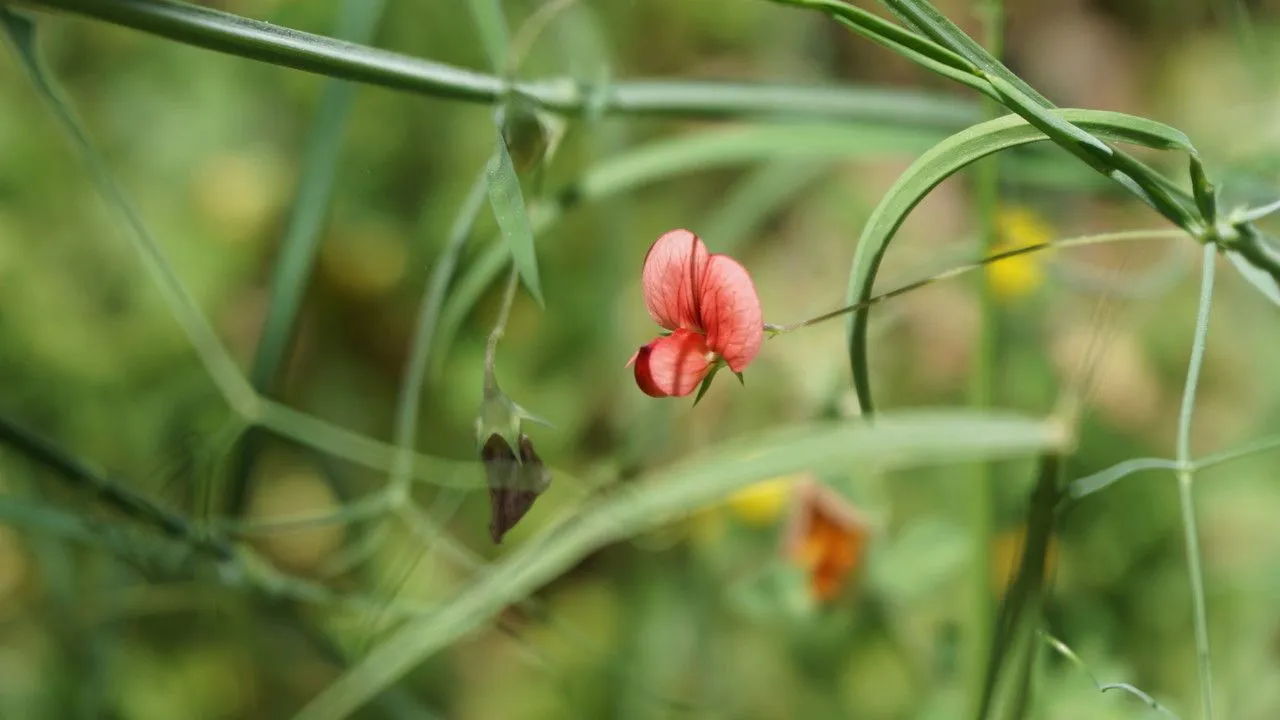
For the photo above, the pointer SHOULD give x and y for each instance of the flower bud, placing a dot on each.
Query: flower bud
(514, 482)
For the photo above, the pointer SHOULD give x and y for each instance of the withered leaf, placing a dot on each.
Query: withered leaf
(514, 483)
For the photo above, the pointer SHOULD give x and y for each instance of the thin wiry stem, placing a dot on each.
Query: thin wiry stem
(963, 269)
(415, 369)
(1066, 652)
(499, 329)
(1185, 473)
(1226, 456)
(122, 499)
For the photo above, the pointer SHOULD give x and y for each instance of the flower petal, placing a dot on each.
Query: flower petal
(730, 312)
(673, 268)
(672, 365)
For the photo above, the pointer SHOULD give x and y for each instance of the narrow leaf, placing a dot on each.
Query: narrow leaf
(892, 36)
(292, 271)
(492, 27)
(1257, 277)
(1256, 214)
(706, 383)
(934, 25)
(1204, 192)
(507, 200)
(895, 441)
(942, 161)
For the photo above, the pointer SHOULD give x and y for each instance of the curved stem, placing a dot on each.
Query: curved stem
(1185, 473)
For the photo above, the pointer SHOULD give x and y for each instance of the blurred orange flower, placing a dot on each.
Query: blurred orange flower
(827, 537)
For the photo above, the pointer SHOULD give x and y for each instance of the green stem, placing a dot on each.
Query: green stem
(1083, 240)
(981, 394)
(1261, 446)
(244, 37)
(499, 329)
(415, 369)
(122, 499)
(1185, 474)
(292, 275)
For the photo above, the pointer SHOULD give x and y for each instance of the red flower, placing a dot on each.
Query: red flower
(710, 306)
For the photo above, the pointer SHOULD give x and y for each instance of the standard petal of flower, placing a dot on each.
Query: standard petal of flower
(672, 365)
(731, 312)
(673, 268)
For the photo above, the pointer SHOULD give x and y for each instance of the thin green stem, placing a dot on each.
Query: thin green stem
(322, 435)
(1071, 657)
(1185, 473)
(122, 499)
(367, 507)
(415, 369)
(222, 368)
(981, 496)
(499, 329)
(1125, 235)
(1261, 446)
(244, 37)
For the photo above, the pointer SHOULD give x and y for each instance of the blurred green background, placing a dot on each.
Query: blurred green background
(707, 618)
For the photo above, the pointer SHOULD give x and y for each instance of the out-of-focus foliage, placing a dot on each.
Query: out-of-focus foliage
(710, 617)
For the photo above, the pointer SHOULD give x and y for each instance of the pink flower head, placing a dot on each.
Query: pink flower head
(709, 304)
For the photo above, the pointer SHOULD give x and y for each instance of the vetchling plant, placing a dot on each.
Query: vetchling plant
(705, 302)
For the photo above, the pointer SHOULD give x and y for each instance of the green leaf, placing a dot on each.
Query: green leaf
(1205, 194)
(1256, 214)
(900, 41)
(1257, 277)
(1022, 609)
(925, 18)
(358, 20)
(507, 200)
(894, 441)
(992, 78)
(942, 161)
(1257, 258)
(706, 383)
(292, 272)
(492, 27)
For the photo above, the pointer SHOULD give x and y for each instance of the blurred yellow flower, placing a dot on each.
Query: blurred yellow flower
(1018, 276)
(763, 502)
(1006, 554)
